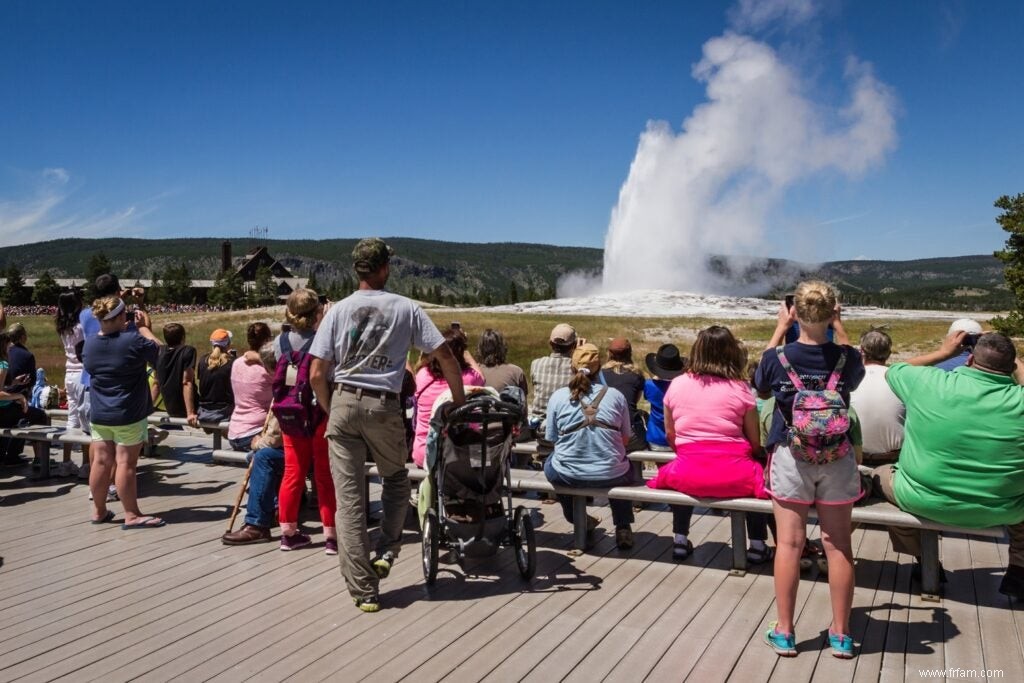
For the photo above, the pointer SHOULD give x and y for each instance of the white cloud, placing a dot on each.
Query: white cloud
(755, 15)
(48, 213)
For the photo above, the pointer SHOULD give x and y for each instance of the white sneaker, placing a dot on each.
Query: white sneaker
(112, 493)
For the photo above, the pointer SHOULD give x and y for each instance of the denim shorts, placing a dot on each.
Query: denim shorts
(794, 480)
(122, 435)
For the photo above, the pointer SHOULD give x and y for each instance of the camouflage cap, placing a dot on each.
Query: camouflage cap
(370, 254)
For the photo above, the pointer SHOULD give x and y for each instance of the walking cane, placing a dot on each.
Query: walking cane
(241, 494)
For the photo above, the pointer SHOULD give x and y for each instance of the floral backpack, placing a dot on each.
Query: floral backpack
(817, 432)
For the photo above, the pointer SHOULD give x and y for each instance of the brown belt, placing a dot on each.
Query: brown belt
(372, 393)
(888, 455)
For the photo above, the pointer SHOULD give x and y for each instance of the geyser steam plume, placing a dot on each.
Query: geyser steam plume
(708, 189)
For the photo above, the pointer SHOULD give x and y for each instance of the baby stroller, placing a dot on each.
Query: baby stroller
(469, 500)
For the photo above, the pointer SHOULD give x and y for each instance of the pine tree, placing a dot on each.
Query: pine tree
(178, 284)
(1012, 221)
(14, 291)
(513, 293)
(228, 291)
(155, 295)
(311, 282)
(98, 265)
(46, 291)
(264, 291)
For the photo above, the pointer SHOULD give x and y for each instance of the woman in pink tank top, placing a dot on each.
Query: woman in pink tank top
(712, 424)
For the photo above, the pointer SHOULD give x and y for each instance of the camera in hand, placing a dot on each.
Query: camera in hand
(970, 340)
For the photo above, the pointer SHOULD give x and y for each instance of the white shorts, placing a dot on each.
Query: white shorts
(794, 480)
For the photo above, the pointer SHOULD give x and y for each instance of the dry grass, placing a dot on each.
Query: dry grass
(526, 334)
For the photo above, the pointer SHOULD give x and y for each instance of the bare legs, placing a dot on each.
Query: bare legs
(104, 457)
(834, 520)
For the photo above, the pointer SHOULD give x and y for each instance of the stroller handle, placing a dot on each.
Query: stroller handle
(501, 409)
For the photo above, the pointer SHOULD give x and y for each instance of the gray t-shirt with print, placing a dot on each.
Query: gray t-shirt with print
(368, 335)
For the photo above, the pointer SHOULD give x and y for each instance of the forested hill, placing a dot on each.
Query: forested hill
(457, 272)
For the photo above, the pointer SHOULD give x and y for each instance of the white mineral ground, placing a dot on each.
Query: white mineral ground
(656, 303)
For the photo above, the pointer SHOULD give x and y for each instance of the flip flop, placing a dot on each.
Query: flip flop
(144, 523)
(107, 517)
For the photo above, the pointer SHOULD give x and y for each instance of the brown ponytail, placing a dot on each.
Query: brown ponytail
(579, 385)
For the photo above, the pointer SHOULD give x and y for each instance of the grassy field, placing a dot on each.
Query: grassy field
(526, 334)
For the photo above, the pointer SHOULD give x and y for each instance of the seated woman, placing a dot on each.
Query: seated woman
(711, 420)
(15, 411)
(590, 450)
(665, 366)
(430, 384)
(216, 399)
(250, 386)
(116, 361)
(620, 373)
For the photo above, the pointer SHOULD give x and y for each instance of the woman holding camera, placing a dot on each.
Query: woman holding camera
(116, 361)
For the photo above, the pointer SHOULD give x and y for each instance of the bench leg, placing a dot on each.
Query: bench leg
(739, 543)
(930, 585)
(42, 451)
(216, 440)
(579, 517)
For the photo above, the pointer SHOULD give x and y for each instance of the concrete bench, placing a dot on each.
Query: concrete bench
(217, 429)
(52, 435)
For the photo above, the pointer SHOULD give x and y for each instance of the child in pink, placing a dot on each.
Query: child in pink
(430, 384)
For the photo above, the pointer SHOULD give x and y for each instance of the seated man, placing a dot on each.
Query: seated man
(881, 413)
(962, 461)
(548, 374)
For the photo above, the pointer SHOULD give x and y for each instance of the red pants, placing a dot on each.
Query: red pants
(298, 451)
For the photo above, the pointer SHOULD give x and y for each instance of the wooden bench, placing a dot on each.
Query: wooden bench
(875, 512)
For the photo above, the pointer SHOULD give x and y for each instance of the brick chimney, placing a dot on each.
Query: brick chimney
(225, 256)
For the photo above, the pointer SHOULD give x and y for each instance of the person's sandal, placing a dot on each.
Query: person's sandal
(682, 551)
(760, 555)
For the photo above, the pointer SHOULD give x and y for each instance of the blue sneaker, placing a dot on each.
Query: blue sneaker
(841, 644)
(784, 644)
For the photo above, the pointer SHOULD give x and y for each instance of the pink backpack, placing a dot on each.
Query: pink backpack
(817, 431)
(295, 405)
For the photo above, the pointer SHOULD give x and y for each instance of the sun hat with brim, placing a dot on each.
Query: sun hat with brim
(221, 338)
(666, 363)
(586, 356)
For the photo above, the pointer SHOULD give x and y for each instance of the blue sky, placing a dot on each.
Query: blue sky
(473, 121)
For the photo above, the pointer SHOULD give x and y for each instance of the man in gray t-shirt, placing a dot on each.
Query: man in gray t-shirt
(361, 347)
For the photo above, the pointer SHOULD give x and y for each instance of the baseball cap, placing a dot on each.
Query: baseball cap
(563, 334)
(221, 338)
(619, 345)
(370, 254)
(586, 356)
(965, 325)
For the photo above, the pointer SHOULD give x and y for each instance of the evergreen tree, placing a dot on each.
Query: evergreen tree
(155, 294)
(513, 292)
(46, 291)
(228, 291)
(311, 282)
(14, 291)
(264, 291)
(98, 265)
(1012, 221)
(177, 285)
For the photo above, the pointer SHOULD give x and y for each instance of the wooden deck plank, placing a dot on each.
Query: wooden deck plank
(88, 603)
(1000, 645)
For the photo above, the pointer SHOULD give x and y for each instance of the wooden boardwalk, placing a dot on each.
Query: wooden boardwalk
(81, 602)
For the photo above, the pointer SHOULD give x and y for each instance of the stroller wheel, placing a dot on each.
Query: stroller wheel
(524, 543)
(431, 533)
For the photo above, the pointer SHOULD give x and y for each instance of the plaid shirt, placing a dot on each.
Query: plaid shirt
(548, 374)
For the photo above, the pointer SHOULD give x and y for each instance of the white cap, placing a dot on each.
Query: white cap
(965, 325)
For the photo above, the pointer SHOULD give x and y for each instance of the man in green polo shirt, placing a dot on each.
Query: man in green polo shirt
(962, 461)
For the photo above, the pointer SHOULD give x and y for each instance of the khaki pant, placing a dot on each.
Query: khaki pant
(358, 426)
(908, 541)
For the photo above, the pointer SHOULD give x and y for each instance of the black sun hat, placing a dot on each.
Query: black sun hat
(666, 363)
